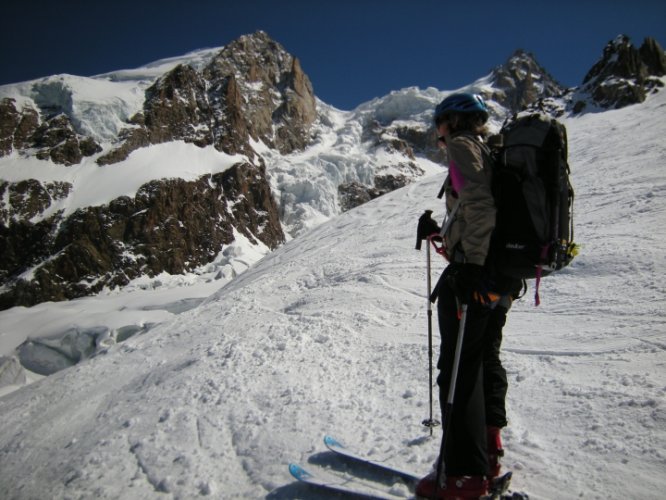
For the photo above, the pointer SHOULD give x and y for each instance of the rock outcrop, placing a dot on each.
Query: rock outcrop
(50, 137)
(169, 225)
(624, 75)
(354, 194)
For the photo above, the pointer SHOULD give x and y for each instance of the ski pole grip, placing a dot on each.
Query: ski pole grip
(423, 228)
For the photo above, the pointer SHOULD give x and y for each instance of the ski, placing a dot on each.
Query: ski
(338, 448)
(350, 486)
(337, 484)
(499, 489)
(357, 484)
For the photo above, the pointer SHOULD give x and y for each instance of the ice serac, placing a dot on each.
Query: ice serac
(624, 75)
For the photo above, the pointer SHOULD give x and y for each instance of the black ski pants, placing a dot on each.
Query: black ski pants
(481, 383)
(495, 383)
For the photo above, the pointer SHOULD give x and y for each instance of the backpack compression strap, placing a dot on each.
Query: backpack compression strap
(539, 273)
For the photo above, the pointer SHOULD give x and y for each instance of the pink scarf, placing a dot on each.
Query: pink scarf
(457, 179)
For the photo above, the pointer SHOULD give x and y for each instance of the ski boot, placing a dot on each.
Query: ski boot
(453, 487)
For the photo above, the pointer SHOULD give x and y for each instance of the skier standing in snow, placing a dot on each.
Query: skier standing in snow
(473, 446)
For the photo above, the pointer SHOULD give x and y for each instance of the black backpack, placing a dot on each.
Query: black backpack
(533, 236)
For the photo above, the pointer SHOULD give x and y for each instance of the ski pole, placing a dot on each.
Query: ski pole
(449, 400)
(430, 422)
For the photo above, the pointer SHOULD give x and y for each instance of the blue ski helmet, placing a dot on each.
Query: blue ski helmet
(461, 103)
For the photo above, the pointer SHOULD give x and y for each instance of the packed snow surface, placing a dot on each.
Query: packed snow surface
(328, 334)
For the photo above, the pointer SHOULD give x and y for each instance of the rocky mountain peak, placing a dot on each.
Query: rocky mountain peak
(521, 81)
(653, 56)
(251, 89)
(254, 58)
(281, 104)
(625, 75)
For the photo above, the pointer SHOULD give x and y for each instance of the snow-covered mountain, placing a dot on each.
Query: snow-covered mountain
(327, 334)
(84, 205)
(126, 175)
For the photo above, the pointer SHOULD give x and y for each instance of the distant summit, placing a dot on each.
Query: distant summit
(521, 81)
(624, 75)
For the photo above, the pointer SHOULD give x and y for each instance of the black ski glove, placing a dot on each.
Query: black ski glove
(465, 280)
(427, 227)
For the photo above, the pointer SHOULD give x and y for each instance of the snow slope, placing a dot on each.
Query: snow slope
(328, 335)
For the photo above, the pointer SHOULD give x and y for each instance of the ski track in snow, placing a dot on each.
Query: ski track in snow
(328, 335)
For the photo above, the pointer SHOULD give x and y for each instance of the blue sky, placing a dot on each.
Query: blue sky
(352, 50)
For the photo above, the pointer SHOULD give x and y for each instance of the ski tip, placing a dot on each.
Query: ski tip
(299, 472)
(330, 441)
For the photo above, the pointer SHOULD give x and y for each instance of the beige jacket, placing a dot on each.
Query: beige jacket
(475, 219)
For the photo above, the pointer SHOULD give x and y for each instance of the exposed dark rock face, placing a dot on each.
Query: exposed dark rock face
(29, 198)
(652, 55)
(176, 107)
(422, 142)
(522, 81)
(354, 194)
(624, 75)
(278, 92)
(53, 138)
(56, 139)
(402, 139)
(170, 225)
(15, 128)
